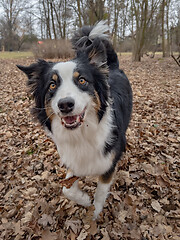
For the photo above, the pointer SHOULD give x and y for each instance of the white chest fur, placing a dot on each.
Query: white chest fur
(81, 149)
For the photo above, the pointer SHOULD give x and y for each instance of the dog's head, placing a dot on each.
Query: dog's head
(70, 89)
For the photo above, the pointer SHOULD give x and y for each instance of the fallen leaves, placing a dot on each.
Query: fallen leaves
(144, 199)
(68, 182)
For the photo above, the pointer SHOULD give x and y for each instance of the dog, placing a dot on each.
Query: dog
(85, 105)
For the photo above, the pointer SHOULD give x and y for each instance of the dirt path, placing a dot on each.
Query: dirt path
(144, 202)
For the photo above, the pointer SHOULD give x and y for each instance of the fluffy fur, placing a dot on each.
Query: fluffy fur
(85, 105)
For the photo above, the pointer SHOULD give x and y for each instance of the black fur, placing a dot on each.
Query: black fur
(38, 82)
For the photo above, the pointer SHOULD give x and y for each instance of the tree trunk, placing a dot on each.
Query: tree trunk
(47, 18)
(162, 22)
(79, 13)
(115, 24)
(141, 25)
(58, 21)
(52, 20)
(168, 31)
(64, 21)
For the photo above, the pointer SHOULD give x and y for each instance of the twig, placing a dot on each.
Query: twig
(176, 59)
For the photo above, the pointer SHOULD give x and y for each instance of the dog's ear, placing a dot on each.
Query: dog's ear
(34, 73)
(36, 80)
(34, 69)
(97, 53)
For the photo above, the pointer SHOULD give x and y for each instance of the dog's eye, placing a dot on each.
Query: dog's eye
(82, 81)
(52, 86)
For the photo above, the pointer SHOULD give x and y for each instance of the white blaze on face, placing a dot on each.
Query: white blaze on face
(68, 88)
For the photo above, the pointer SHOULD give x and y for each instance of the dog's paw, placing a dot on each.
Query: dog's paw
(84, 200)
(77, 196)
(97, 211)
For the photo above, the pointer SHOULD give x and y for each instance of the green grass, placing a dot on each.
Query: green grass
(124, 53)
(13, 55)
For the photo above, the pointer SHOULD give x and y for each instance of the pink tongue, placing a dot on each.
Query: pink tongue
(70, 119)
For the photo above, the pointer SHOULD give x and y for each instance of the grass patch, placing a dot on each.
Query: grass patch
(124, 53)
(13, 55)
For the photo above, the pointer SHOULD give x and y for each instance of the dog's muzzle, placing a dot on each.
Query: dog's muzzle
(74, 121)
(66, 106)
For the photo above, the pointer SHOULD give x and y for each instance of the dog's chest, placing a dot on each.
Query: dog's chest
(82, 150)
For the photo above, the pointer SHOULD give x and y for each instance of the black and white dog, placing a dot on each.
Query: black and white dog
(85, 104)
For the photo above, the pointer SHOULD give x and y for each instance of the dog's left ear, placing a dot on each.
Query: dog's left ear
(97, 53)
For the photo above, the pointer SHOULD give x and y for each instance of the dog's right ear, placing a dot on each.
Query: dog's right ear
(34, 73)
(34, 70)
(29, 70)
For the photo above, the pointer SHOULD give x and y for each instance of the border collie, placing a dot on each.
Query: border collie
(85, 105)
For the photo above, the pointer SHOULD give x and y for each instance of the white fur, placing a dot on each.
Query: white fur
(100, 197)
(81, 149)
(99, 30)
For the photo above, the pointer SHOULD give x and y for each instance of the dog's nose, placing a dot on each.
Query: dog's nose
(66, 105)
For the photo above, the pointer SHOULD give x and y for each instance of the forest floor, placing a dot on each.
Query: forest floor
(144, 202)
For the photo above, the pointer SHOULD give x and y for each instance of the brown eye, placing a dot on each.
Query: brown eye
(82, 81)
(52, 86)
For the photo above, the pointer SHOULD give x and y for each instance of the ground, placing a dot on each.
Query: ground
(144, 202)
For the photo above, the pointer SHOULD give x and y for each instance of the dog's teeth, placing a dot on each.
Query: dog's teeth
(73, 121)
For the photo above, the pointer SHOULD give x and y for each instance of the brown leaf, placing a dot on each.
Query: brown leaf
(148, 168)
(45, 220)
(105, 234)
(83, 234)
(47, 235)
(93, 228)
(18, 228)
(75, 225)
(68, 182)
(156, 206)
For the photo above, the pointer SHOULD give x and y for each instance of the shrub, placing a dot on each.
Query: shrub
(53, 49)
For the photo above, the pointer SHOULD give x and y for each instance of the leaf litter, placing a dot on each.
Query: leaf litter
(144, 202)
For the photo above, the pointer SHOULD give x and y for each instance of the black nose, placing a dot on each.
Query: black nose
(66, 105)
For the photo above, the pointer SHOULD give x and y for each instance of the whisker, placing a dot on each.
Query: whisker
(47, 118)
(42, 108)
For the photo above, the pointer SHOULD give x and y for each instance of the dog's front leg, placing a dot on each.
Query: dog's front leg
(102, 190)
(75, 194)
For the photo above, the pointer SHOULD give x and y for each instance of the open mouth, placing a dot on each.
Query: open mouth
(74, 121)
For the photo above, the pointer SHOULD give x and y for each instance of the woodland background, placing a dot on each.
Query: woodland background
(144, 201)
(137, 26)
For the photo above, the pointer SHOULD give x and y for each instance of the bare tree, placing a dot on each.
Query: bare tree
(12, 10)
(119, 15)
(142, 11)
(54, 17)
